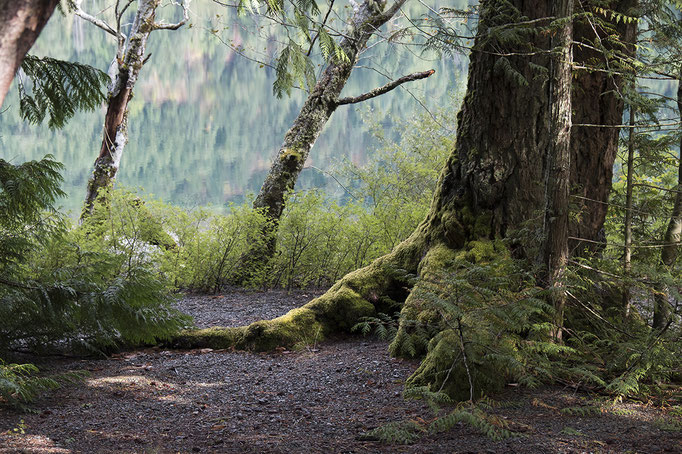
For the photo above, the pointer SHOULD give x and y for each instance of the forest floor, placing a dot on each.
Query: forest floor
(316, 400)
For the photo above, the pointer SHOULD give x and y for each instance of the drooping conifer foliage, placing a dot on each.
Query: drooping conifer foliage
(59, 88)
(59, 286)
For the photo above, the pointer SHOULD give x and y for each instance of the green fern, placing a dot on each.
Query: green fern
(19, 385)
(399, 432)
(59, 88)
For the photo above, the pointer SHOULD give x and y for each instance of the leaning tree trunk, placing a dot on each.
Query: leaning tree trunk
(492, 187)
(21, 21)
(597, 101)
(318, 107)
(115, 135)
(671, 241)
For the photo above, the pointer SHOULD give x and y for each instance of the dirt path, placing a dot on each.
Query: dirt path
(312, 401)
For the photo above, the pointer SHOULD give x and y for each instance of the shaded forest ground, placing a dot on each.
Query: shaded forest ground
(316, 400)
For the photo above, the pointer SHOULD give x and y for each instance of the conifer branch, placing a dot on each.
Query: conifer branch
(385, 89)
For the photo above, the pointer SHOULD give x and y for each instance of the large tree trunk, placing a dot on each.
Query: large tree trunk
(21, 21)
(596, 101)
(492, 187)
(367, 18)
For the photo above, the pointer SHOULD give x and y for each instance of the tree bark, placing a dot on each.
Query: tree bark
(21, 21)
(323, 100)
(559, 162)
(130, 58)
(596, 100)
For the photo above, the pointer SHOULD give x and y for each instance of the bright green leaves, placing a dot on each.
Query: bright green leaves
(58, 89)
(294, 66)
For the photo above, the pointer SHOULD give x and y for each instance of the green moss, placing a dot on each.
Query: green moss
(453, 230)
(342, 308)
(291, 154)
(439, 258)
(444, 361)
(215, 337)
(298, 326)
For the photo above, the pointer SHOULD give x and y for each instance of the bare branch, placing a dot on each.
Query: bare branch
(185, 18)
(93, 20)
(386, 88)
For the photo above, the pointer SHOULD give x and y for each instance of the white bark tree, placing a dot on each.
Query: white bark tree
(124, 73)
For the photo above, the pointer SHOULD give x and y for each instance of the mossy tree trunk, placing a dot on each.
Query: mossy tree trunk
(322, 101)
(130, 57)
(21, 21)
(492, 187)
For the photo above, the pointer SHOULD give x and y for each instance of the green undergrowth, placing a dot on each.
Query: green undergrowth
(85, 288)
(475, 415)
(20, 384)
(478, 321)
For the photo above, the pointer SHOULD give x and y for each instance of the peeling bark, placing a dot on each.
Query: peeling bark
(125, 70)
(21, 21)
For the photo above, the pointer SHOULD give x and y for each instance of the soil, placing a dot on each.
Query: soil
(317, 400)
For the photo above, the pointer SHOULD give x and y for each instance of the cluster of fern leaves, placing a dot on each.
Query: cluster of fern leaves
(65, 288)
(481, 323)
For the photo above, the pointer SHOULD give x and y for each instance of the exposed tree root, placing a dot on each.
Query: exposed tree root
(358, 294)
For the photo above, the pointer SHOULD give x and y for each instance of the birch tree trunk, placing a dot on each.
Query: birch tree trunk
(559, 162)
(627, 234)
(130, 58)
(21, 21)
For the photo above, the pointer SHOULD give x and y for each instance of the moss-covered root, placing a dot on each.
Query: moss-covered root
(357, 295)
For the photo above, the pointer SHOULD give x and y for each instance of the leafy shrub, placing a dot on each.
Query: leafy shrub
(17, 385)
(208, 245)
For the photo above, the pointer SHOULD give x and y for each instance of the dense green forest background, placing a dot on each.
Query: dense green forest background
(204, 123)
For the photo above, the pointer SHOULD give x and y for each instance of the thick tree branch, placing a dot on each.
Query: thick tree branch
(386, 88)
(185, 18)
